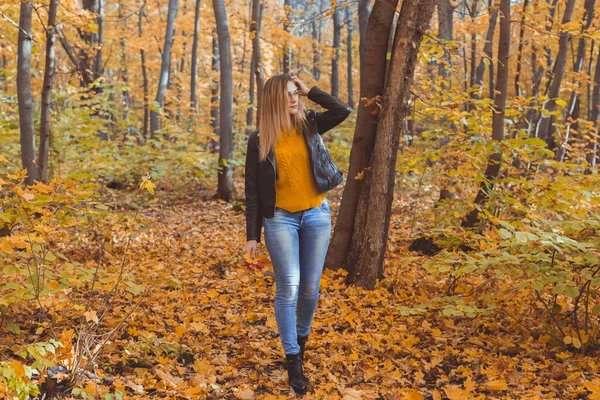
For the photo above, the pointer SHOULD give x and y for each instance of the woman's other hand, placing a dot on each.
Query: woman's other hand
(302, 88)
(251, 248)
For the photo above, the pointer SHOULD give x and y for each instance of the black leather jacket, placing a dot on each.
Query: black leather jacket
(261, 175)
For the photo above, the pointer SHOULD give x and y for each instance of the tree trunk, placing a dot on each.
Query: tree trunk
(487, 49)
(47, 92)
(214, 92)
(495, 160)
(315, 47)
(544, 130)
(368, 251)
(594, 117)
(194, 72)
(337, 33)
(24, 94)
(364, 11)
(287, 58)
(571, 113)
(446, 33)
(473, 12)
(518, 90)
(165, 65)
(349, 49)
(144, 76)
(372, 78)
(225, 179)
(257, 53)
(251, 98)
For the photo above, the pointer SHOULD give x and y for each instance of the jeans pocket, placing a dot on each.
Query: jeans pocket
(325, 206)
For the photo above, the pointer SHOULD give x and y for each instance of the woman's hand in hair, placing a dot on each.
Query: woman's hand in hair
(251, 248)
(302, 88)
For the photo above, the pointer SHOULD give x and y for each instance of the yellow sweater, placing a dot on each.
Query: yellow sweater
(295, 186)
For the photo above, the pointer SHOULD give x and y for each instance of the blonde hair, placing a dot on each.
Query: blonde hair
(274, 116)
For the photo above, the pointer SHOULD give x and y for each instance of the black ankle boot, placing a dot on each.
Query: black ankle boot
(293, 364)
(302, 343)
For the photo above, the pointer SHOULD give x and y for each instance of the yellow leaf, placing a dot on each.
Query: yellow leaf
(180, 331)
(148, 185)
(245, 394)
(594, 387)
(252, 35)
(456, 393)
(212, 293)
(18, 368)
(91, 316)
(499, 384)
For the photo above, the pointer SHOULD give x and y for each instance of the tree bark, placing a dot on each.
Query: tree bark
(337, 33)
(225, 178)
(25, 100)
(257, 53)
(572, 112)
(487, 49)
(544, 130)
(594, 117)
(446, 33)
(372, 78)
(315, 47)
(47, 92)
(367, 252)
(287, 58)
(518, 90)
(165, 65)
(349, 59)
(144, 76)
(495, 159)
(194, 72)
(364, 12)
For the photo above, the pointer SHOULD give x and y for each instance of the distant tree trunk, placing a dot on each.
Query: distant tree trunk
(47, 92)
(572, 111)
(100, 22)
(594, 117)
(446, 33)
(214, 92)
(518, 90)
(24, 94)
(315, 47)
(364, 11)
(349, 58)
(487, 50)
(165, 65)
(495, 160)
(544, 130)
(337, 33)
(144, 75)
(251, 98)
(287, 58)
(225, 179)
(367, 252)
(372, 78)
(473, 12)
(194, 72)
(257, 53)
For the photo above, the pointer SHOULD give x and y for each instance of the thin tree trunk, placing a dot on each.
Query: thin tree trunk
(194, 72)
(495, 160)
(445, 32)
(367, 252)
(25, 100)
(165, 66)
(518, 90)
(473, 73)
(144, 76)
(572, 111)
(349, 59)
(287, 59)
(225, 178)
(257, 8)
(251, 97)
(372, 78)
(214, 92)
(594, 117)
(100, 22)
(487, 49)
(544, 130)
(337, 33)
(315, 48)
(47, 92)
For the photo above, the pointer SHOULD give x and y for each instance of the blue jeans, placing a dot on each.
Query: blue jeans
(297, 243)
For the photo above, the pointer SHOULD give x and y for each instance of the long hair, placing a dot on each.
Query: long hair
(274, 115)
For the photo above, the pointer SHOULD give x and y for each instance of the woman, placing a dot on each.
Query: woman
(288, 172)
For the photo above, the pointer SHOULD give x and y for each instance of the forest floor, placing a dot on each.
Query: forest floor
(205, 328)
